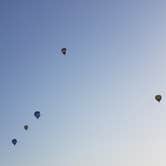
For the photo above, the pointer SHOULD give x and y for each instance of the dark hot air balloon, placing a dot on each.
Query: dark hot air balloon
(26, 127)
(14, 141)
(64, 51)
(37, 114)
(158, 98)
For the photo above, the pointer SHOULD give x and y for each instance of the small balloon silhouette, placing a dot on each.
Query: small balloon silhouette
(158, 98)
(64, 50)
(14, 141)
(37, 114)
(26, 127)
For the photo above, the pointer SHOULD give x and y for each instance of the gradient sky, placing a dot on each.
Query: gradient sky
(97, 103)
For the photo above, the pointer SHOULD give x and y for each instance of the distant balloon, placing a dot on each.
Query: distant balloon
(37, 114)
(64, 51)
(26, 127)
(14, 141)
(158, 98)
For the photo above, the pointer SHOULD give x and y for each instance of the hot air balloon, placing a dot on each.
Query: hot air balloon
(158, 98)
(14, 141)
(37, 114)
(64, 50)
(26, 127)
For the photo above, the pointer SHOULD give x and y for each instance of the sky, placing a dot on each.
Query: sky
(97, 103)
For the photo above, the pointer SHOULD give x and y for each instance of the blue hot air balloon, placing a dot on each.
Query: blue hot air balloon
(14, 141)
(37, 114)
(26, 127)
(64, 51)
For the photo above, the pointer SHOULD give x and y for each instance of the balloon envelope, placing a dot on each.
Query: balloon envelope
(158, 98)
(64, 50)
(26, 127)
(37, 114)
(14, 141)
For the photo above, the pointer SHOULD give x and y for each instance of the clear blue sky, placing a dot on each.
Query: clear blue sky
(97, 103)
